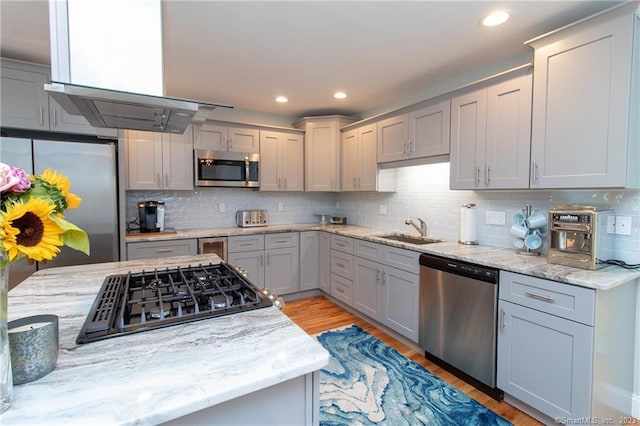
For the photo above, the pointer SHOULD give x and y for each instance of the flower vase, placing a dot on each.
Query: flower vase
(6, 380)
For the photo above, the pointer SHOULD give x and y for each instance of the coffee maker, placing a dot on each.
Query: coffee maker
(151, 216)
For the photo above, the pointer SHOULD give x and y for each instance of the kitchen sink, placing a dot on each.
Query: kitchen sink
(410, 239)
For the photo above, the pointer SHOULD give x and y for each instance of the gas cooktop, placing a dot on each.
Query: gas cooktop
(134, 302)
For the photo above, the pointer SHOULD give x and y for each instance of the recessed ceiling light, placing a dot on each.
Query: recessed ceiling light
(282, 99)
(495, 18)
(339, 95)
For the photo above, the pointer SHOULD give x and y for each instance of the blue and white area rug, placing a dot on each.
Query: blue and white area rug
(369, 383)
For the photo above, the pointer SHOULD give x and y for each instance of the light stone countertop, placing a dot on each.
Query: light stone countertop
(153, 376)
(497, 257)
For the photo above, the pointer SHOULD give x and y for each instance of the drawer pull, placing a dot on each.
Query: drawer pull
(341, 265)
(282, 241)
(246, 244)
(502, 313)
(340, 290)
(168, 250)
(542, 297)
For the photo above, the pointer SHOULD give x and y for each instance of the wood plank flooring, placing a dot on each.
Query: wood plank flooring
(317, 314)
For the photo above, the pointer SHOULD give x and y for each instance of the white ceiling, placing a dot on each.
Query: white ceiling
(380, 52)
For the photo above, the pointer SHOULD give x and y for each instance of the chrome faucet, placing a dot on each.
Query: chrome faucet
(422, 229)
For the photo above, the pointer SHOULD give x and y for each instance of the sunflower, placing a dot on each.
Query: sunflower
(28, 230)
(62, 183)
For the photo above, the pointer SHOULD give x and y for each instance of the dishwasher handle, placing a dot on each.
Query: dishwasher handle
(458, 267)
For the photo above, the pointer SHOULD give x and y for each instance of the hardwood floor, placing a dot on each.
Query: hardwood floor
(317, 314)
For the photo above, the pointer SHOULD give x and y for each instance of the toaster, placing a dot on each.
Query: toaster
(250, 218)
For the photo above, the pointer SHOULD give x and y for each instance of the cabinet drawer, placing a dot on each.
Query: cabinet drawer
(406, 260)
(368, 250)
(560, 299)
(156, 249)
(344, 244)
(285, 239)
(342, 289)
(342, 264)
(245, 243)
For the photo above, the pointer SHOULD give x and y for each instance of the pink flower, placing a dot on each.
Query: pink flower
(24, 183)
(7, 178)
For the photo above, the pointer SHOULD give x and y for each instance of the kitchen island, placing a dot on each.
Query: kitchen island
(254, 366)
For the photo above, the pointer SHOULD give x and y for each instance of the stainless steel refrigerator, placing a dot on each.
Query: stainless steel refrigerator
(92, 172)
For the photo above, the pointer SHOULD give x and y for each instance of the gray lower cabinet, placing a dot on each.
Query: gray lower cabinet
(271, 260)
(386, 293)
(309, 260)
(565, 350)
(166, 248)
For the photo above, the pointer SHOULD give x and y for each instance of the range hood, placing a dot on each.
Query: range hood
(106, 65)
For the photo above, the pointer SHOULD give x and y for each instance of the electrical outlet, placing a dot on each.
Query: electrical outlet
(280, 206)
(222, 208)
(495, 217)
(611, 224)
(337, 205)
(382, 209)
(623, 225)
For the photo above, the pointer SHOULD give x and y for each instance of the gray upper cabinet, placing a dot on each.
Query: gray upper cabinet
(26, 105)
(490, 136)
(420, 133)
(586, 95)
(220, 137)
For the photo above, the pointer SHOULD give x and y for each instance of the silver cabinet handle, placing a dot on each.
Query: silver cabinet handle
(55, 118)
(378, 275)
(534, 172)
(278, 180)
(502, 315)
(246, 244)
(164, 250)
(477, 176)
(538, 296)
(229, 143)
(261, 259)
(341, 265)
(384, 277)
(285, 183)
(159, 180)
(166, 180)
(268, 259)
(487, 170)
(359, 185)
(42, 116)
(410, 150)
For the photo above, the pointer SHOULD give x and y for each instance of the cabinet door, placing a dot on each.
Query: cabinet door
(269, 178)
(322, 157)
(468, 134)
(429, 130)
(177, 160)
(582, 85)
(400, 301)
(368, 141)
(252, 262)
(350, 160)
(291, 151)
(393, 135)
(211, 137)
(325, 262)
(545, 361)
(25, 104)
(508, 140)
(309, 260)
(244, 140)
(144, 159)
(366, 287)
(282, 270)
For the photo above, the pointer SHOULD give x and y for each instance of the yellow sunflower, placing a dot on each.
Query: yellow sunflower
(28, 230)
(61, 181)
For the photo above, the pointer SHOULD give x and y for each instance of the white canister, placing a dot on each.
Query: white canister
(468, 224)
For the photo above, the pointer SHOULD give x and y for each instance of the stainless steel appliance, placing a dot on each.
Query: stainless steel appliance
(221, 168)
(251, 218)
(134, 302)
(458, 314)
(90, 165)
(215, 245)
(149, 216)
(574, 235)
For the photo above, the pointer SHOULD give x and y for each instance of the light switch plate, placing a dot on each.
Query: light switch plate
(280, 206)
(222, 208)
(623, 225)
(611, 224)
(495, 217)
(382, 209)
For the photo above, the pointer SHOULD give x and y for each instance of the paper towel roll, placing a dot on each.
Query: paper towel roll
(468, 224)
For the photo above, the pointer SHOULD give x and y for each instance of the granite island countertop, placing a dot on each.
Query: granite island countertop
(153, 376)
(497, 257)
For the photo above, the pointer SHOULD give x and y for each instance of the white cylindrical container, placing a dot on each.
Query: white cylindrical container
(160, 216)
(468, 224)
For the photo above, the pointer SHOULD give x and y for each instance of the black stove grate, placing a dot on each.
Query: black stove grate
(133, 302)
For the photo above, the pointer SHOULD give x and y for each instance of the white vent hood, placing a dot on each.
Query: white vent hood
(106, 64)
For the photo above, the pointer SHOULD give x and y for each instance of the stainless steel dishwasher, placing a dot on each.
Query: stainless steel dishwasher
(458, 312)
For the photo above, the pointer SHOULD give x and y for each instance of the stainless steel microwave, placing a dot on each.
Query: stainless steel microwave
(221, 168)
